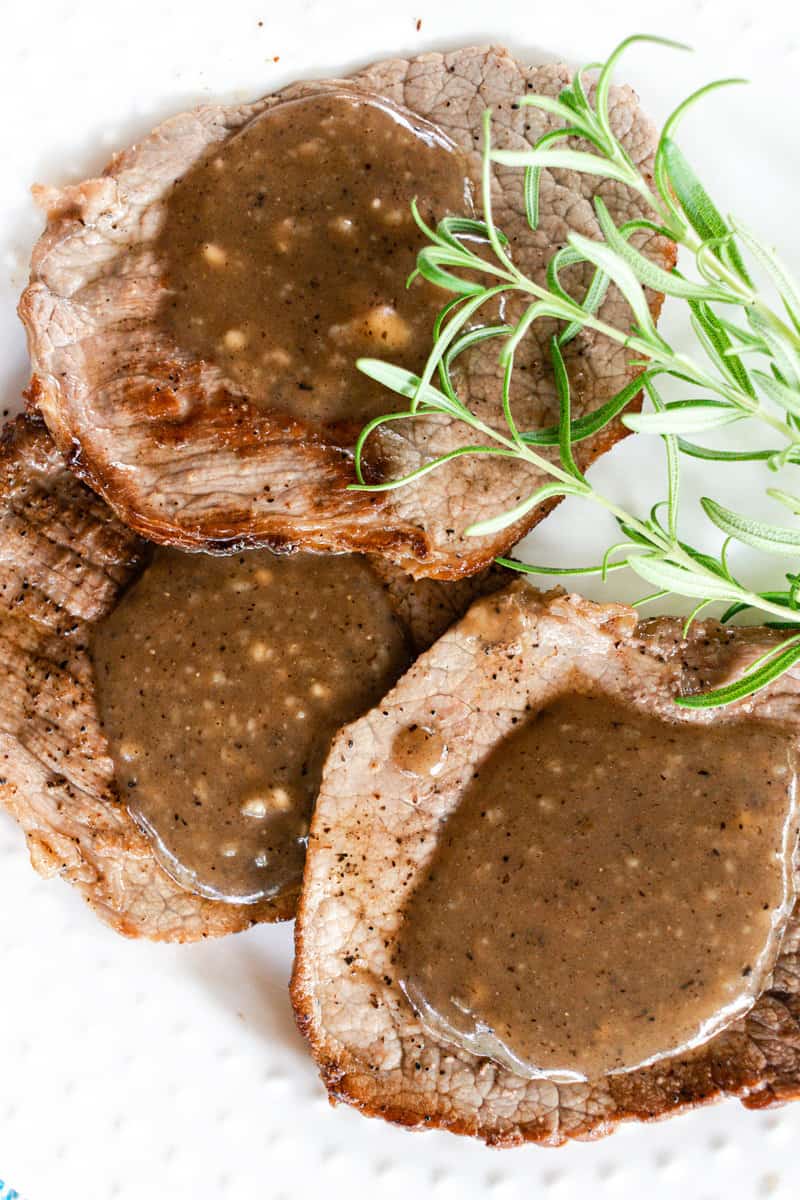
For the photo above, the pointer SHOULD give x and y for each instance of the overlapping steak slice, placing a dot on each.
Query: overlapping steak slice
(64, 561)
(376, 829)
(185, 458)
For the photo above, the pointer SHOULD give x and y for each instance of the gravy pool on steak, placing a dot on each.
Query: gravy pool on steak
(609, 891)
(288, 247)
(220, 684)
(391, 797)
(189, 462)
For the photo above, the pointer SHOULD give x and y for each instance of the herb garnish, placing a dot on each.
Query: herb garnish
(745, 369)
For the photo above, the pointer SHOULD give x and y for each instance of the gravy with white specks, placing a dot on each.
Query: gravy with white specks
(288, 248)
(220, 683)
(611, 890)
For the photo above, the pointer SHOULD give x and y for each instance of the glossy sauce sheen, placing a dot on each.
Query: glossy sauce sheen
(611, 889)
(288, 249)
(221, 682)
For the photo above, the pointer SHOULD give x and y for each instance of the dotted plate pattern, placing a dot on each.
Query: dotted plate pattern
(130, 1069)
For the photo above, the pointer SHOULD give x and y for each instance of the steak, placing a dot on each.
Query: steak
(64, 560)
(177, 449)
(375, 831)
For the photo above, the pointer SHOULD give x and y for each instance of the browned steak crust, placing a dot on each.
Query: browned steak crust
(375, 829)
(185, 459)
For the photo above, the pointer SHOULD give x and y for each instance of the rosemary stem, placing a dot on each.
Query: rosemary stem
(667, 358)
(486, 199)
(786, 430)
(524, 452)
(669, 547)
(686, 237)
(682, 236)
(688, 240)
(584, 490)
(679, 209)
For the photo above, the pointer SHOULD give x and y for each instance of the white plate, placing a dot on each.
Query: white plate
(130, 1069)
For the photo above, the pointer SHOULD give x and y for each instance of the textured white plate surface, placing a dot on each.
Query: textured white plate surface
(130, 1070)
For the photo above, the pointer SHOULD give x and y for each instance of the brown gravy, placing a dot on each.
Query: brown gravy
(220, 683)
(288, 249)
(611, 889)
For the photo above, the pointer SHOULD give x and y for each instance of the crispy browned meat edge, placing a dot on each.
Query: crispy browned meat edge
(407, 546)
(22, 438)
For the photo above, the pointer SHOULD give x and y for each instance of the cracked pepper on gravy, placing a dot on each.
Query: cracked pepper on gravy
(220, 683)
(611, 889)
(289, 245)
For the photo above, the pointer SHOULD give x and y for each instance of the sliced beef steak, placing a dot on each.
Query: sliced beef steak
(376, 829)
(64, 561)
(186, 458)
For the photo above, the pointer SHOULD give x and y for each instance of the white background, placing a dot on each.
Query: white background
(130, 1069)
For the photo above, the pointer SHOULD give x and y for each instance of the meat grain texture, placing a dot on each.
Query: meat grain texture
(375, 830)
(183, 456)
(64, 561)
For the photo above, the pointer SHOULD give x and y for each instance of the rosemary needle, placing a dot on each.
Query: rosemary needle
(745, 364)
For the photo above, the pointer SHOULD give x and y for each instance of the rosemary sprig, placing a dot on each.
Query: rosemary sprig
(745, 370)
